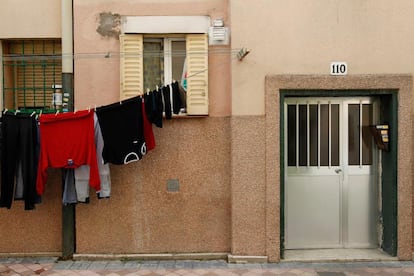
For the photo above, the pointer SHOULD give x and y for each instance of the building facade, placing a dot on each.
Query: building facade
(274, 151)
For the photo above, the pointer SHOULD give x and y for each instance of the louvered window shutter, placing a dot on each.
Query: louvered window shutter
(197, 74)
(131, 67)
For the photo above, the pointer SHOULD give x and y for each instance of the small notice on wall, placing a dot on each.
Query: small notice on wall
(338, 68)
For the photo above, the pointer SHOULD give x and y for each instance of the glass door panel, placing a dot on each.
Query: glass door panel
(367, 117)
(359, 138)
(313, 135)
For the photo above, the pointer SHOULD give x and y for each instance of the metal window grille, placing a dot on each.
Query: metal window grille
(31, 70)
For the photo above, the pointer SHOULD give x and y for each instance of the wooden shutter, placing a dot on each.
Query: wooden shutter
(197, 74)
(131, 67)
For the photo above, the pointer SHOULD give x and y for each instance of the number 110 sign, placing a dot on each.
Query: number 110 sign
(339, 68)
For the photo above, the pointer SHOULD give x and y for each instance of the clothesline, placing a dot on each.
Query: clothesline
(121, 133)
(39, 111)
(109, 54)
(46, 111)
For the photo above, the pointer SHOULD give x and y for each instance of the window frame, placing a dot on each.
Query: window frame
(195, 29)
(131, 70)
(38, 63)
(167, 49)
(168, 62)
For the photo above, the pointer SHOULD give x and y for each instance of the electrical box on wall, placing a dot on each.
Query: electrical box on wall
(381, 136)
(218, 36)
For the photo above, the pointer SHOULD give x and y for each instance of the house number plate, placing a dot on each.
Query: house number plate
(339, 69)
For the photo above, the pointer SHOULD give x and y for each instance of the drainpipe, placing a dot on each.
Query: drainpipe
(68, 211)
(67, 52)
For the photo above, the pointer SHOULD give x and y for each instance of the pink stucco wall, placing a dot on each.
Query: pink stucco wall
(97, 78)
(142, 216)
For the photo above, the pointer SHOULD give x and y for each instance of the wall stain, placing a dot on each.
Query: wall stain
(109, 24)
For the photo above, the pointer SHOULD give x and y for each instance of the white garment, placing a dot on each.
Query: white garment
(82, 173)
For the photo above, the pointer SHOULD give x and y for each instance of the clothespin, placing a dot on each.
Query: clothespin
(33, 113)
(95, 107)
(16, 111)
(89, 109)
(5, 111)
(40, 114)
(57, 112)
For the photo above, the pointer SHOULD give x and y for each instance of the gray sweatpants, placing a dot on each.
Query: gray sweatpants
(82, 173)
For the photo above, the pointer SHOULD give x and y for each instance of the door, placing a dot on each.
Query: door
(330, 173)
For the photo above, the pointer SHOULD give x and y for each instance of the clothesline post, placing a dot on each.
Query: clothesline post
(68, 211)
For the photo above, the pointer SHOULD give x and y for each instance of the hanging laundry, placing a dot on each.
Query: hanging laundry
(67, 141)
(19, 154)
(122, 131)
(154, 107)
(82, 173)
(69, 189)
(1, 146)
(19, 188)
(149, 106)
(166, 94)
(177, 103)
(148, 133)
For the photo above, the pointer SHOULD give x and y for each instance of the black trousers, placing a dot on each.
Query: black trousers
(19, 145)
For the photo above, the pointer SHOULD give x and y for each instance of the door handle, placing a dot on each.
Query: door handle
(338, 171)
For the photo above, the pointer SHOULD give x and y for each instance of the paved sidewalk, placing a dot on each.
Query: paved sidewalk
(51, 266)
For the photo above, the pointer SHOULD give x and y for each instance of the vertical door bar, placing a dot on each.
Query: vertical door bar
(330, 135)
(307, 135)
(297, 135)
(319, 134)
(360, 134)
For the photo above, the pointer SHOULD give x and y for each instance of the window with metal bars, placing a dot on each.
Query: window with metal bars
(31, 71)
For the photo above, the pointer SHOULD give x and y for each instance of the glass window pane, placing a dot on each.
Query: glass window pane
(153, 64)
(353, 134)
(313, 139)
(324, 129)
(366, 135)
(291, 135)
(335, 135)
(303, 135)
(178, 58)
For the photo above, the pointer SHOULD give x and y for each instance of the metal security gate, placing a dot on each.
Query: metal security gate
(331, 191)
(31, 71)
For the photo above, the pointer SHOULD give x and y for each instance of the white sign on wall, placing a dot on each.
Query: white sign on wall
(338, 68)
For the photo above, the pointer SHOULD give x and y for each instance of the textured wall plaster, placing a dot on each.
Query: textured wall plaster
(109, 24)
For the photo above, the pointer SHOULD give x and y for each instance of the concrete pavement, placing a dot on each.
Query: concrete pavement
(52, 266)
